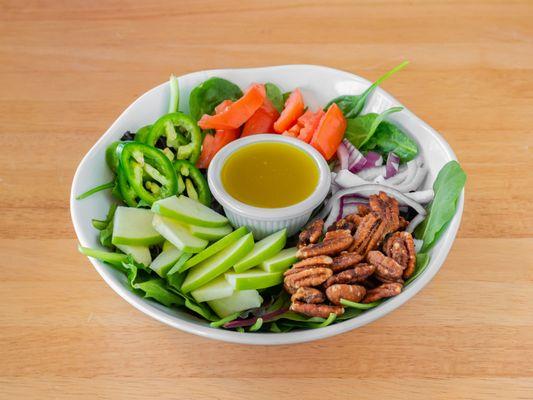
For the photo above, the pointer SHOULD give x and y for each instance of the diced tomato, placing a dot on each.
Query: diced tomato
(294, 108)
(213, 143)
(329, 132)
(207, 152)
(294, 131)
(262, 121)
(237, 113)
(309, 122)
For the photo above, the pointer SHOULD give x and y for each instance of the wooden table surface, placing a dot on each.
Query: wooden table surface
(68, 69)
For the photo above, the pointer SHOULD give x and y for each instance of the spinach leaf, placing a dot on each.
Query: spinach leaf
(422, 261)
(286, 96)
(106, 227)
(156, 289)
(275, 96)
(352, 105)
(360, 129)
(209, 94)
(388, 137)
(447, 187)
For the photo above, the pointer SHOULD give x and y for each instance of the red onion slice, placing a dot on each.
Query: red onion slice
(356, 161)
(393, 163)
(373, 159)
(343, 156)
(250, 321)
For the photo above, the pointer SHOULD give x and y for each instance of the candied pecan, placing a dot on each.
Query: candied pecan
(308, 295)
(354, 219)
(341, 224)
(369, 234)
(363, 210)
(400, 246)
(318, 260)
(307, 277)
(293, 270)
(403, 223)
(370, 283)
(327, 247)
(344, 261)
(387, 270)
(387, 209)
(357, 274)
(311, 233)
(289, 289)
(316, 310)
(338, 234)
(348, 292)
(382, 292)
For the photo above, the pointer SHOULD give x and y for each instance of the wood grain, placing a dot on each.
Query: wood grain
(67, 69)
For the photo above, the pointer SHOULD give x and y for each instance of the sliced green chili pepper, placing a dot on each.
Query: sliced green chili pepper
(142, 134)
(193, 182)
(111, 157)
(125, 192)
(182, 133)
(141, 164)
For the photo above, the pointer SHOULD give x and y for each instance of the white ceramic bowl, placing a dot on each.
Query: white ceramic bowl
(318, 85)
(264, 221)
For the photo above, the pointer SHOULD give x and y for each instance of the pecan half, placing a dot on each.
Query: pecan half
(328, 247)
(368, 235)
(400, 246)
(348, 292)
(341, 224)
(387, 270)
(311, 233)
(338, 234)
(357, 274)
(307, 277)
(403, 223)
(316, 310)
(363, 210)
(382, 292)
(387, 209)
(308, 295)
(345, 261)
(354, 219)
(318, 260)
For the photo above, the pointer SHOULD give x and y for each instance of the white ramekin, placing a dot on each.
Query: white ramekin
(264, 221)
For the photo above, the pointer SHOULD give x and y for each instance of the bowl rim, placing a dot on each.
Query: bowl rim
(260, 213)
(149, 308)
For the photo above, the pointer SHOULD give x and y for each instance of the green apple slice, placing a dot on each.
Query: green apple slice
(178, 235)
(238, 301)
(210, 233)
(134, 226)
(216, 265)
(215, 248)
(141, 254)
(281, 261)
(167, 245)
(189, 211)
(165, 260)
(216, 289)
(263, 250)
(254, 278)
(179, 264)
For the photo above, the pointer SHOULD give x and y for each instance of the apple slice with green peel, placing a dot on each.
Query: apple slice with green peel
(216, 265)
(141, 254)
(210, 233)
(189, 211)
(238, 301)
(216, 289)
(167, 245)
(264, 249)
(215, 248)
(178, 235)
(254, 278)
(281, 261)
(165, 260)
(179, 264)
(133, 226)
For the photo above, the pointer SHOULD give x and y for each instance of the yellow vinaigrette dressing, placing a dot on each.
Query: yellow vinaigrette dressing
(269, 175)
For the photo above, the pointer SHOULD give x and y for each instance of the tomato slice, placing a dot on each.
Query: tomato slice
(294, 108)
(330, 131)
(207, 152)
(213, 143)
(238, 112)
(309, 122)
(262, 121)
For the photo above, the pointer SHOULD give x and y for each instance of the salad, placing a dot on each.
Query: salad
(370, 238)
